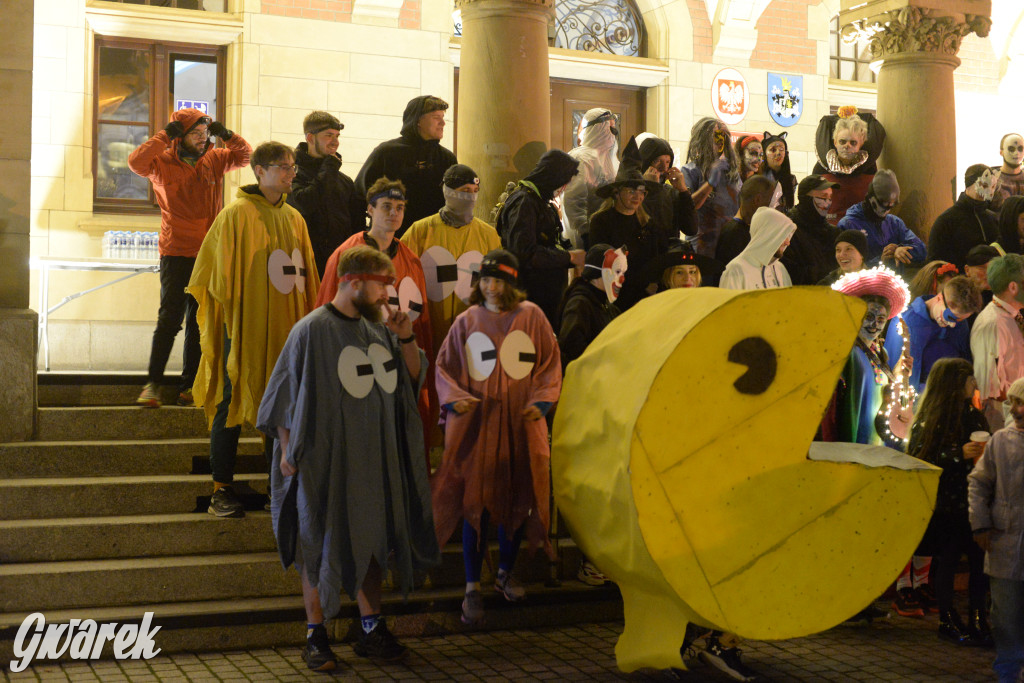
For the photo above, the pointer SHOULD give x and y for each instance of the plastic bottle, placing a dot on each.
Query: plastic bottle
(137, 245)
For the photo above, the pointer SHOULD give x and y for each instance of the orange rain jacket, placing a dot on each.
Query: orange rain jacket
(189, 197)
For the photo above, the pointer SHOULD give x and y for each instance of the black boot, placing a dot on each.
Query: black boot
(981, 634)
(951, 628)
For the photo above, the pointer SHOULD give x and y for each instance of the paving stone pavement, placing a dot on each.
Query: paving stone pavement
(894, 649)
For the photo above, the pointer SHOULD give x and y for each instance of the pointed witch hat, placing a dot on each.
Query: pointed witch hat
(629, 174)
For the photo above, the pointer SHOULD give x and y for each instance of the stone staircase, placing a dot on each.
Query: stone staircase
(104, 517)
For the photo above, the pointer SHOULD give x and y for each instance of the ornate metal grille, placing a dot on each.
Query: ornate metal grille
(609, 26)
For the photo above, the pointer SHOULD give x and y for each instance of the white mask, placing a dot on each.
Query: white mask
(613, 272)
(985, 186)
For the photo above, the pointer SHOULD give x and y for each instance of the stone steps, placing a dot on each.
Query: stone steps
(60, 497)
(102, 423)
(275, 621)
(121, 457)
(43, 586)
(104, 517)
(122, 537)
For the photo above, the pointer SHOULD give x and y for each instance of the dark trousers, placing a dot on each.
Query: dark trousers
(223, 439)
(959, 542)
(473, 546)
(175, 306)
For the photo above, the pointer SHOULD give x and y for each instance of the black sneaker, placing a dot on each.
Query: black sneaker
(379, 644)
(728, 662)
(224, 503)
(317, 654)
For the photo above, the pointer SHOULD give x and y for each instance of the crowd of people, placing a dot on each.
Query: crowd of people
(449, 333)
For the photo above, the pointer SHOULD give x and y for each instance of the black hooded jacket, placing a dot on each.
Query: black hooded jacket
(811, 254)
(584, 312)
(1009, 234)
(673, 211)
(327, 199)
(962, 226)
(420, 164)
(530, 226)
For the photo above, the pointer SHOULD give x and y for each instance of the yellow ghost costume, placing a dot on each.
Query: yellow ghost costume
(448, 256)
(254, 277)
(680, 461)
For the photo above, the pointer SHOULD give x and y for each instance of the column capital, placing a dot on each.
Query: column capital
(547, 6)
(914, 29)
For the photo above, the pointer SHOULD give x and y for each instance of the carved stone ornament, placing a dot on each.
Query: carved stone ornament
(914, 29)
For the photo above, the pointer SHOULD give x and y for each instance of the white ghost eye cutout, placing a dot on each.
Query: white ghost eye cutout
(481, 356)
(385, 367)
(299, 264)
(467, 264)
(285, 273)
(440, 272)
(410, 299)
(518, 354)
(355, 371)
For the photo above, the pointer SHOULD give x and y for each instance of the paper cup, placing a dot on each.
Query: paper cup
(980, 437)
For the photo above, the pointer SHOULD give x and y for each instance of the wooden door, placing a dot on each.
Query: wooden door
(570, 100)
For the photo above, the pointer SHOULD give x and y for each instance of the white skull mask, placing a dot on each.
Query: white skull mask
(985, 186)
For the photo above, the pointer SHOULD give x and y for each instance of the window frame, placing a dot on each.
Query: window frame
(160, 104)
(836, 58)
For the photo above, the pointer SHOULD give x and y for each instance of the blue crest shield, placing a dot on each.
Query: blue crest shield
(785, 98)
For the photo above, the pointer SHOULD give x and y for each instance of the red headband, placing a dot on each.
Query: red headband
(947, 268)
(747, 140)
(350, 277)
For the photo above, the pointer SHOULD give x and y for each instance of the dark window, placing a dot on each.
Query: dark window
(138, 84)
(848, 61)
(207, 5)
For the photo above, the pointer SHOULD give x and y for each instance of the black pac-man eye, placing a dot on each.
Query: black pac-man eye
(759, 358)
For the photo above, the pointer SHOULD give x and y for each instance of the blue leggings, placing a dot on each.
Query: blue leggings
(473, 549)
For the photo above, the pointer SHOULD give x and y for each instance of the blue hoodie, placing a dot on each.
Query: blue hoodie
(891, 230)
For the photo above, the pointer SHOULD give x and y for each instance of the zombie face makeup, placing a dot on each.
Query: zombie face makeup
(874, 322)
(822, 200)
(848, 146)
(775, 155)
(721, 139)
(985, 186)
(1012, 150)
(613, 272)
(753, 157)
(882, 208)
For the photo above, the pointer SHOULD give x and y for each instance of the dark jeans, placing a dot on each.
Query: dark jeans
(1008, 628)
(473, 547)
(175, 306)
(224, 440)
(957, 543)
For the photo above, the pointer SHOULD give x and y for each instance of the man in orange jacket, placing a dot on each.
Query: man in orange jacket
(187, 174)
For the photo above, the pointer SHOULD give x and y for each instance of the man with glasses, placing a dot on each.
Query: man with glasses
(186, 172)
(1010, 179)
(967, 223)
(324, 195)
(890, 241)
(253, 279)
(997, 339)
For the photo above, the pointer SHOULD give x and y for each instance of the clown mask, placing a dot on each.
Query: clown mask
(985, 186)
(613, 272)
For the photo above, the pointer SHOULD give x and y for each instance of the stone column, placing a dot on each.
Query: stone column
(917, 47)
(504, 96)
(17, 322)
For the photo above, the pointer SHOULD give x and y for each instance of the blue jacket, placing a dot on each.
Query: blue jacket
(892, 230)
(928, 341)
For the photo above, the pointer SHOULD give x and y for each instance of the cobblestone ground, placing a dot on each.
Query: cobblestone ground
(895, 649)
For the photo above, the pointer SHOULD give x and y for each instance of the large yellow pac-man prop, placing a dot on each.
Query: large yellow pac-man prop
(681, 464)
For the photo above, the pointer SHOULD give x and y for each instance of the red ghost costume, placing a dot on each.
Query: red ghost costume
(494, 458)
(409, 294)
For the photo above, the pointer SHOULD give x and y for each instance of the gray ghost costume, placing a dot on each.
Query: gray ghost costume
(343, 390)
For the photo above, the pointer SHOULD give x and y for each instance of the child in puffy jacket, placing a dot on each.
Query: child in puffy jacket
(996, 497)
